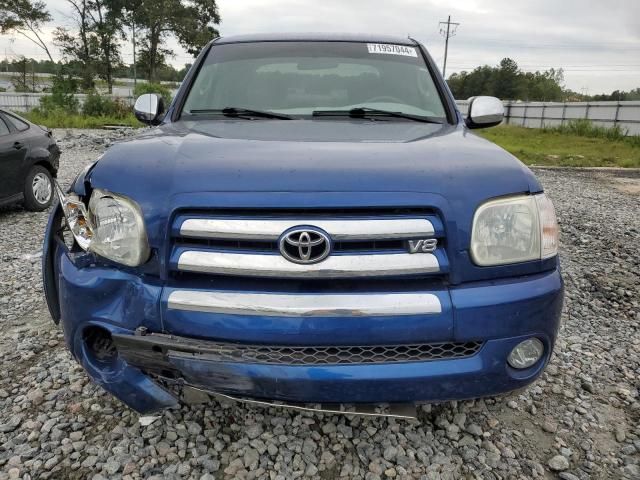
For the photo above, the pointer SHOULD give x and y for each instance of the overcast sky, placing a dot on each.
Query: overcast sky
(597, 42)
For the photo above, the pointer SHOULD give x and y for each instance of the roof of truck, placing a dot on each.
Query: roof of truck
(316, 37)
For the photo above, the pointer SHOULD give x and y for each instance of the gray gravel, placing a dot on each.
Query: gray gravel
(579, 421)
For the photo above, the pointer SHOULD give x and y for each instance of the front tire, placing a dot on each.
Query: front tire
(38, 189)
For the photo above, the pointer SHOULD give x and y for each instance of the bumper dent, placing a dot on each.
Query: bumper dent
(499, 314)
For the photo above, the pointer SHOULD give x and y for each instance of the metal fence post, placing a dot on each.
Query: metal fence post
(544, 106)
(524, 119)
(564, 113)
(615, 119)
(586, 115)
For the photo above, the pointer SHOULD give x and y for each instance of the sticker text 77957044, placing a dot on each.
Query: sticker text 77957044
(389, 49)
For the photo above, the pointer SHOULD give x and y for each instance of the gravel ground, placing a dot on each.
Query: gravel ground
(579, 420)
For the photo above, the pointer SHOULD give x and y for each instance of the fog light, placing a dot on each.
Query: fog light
(100, 345)
(526, 353)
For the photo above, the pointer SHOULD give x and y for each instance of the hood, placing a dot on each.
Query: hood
(308, 163)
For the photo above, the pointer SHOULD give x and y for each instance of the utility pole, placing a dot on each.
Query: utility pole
(447, 33)
(135, 76)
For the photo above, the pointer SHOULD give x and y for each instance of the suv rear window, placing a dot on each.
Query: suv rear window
(298, 78)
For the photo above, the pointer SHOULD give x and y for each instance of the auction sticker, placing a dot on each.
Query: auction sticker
(389, 49)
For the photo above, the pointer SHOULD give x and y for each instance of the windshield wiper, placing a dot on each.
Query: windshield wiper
(363, 112)
(241, 112)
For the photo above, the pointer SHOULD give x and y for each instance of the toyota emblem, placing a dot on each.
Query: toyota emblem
(305, 245)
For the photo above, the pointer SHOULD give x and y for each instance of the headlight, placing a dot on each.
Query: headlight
(515, 229)
(77, 217)
(112, 227)
(119, 233)
(548, 226)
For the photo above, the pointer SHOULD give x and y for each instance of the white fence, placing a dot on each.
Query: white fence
(626, 115)
(525, 114)
(23, 102)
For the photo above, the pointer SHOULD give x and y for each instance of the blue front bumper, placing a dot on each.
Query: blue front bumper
(499, 313)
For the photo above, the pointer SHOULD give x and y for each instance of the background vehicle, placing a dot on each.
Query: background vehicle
(313, 221)
(28, 162)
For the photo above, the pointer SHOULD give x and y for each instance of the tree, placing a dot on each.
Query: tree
(507, 81)
(20, 82)
(107, 16)
(93, 49)
(545, 86)
(26, 18)
(192, 22)
(79, 49)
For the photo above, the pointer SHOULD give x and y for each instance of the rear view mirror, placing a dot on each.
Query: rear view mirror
(484, 112)
(317, 64)
(149, 108)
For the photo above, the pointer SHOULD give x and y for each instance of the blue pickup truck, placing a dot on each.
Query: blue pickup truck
(312, 221)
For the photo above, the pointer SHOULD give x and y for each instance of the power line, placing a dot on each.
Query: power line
(532, 69)
(481, 42)
(447, 33)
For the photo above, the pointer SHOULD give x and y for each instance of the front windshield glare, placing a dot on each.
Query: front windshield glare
(298, 78)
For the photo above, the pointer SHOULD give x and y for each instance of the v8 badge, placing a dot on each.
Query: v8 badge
(423, 246)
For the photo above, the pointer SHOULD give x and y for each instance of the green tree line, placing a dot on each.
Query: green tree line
(92, 48)
(508, 82)
(618, 95)
(24, 65)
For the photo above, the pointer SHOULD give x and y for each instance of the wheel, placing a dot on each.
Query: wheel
(38, 189)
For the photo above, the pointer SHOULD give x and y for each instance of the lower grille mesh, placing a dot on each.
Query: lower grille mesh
(339, 355)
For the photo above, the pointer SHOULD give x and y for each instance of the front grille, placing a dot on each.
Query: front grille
(258, 246)
(361, 245)
(157, 348)
(348, 354)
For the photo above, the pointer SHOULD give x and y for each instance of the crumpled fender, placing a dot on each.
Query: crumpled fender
(49, 276)
(50, 243)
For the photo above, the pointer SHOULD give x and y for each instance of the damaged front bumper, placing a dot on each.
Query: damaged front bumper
(117, 324)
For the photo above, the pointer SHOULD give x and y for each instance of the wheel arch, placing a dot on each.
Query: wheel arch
(46, 164)
(49, 278)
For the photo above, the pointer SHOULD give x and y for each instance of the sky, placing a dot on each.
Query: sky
(596, 42)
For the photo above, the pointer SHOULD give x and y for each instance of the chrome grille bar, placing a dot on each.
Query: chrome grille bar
(304, 305)
(337, 266)
(339, 230)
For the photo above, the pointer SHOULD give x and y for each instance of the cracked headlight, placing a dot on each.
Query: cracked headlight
(119, 233)
(515, 229)
(112, 226)
(77, 217)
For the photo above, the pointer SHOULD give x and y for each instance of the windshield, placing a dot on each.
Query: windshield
(300, 78)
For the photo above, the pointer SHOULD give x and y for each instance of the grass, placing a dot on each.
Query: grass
(586, 128)
(59, 119)
(568, 146)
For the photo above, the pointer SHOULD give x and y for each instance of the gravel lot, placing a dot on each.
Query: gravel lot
(580, 420)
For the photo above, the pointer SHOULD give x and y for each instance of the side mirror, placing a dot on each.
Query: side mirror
(484, 112)
(149, 108)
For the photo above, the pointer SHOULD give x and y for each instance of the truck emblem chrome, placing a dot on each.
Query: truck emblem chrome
(305, 245)
(423, 246)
